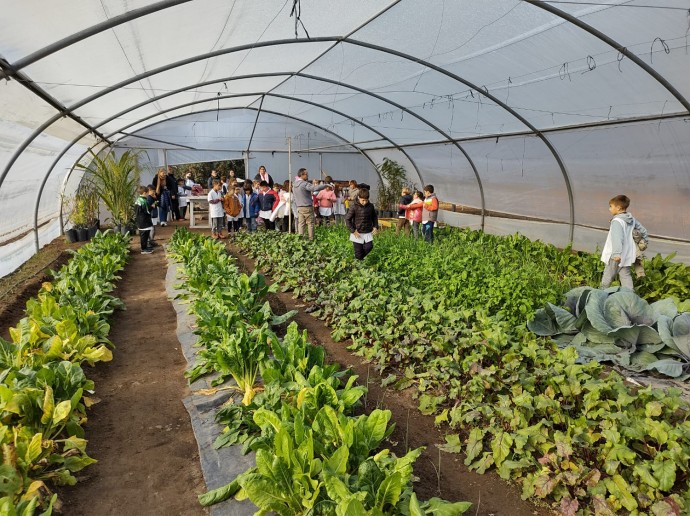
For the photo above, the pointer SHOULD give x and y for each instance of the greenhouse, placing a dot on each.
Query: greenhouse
(345, 257)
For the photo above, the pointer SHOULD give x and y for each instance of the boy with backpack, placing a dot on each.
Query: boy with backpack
(620, 249)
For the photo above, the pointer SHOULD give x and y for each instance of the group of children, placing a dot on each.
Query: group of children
(252, 205)
(418, 209)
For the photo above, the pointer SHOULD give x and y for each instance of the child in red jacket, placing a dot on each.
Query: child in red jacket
(413, 213)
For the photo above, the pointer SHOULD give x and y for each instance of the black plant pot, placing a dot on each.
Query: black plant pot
(82, 235)
(92, 231)
(71, 235)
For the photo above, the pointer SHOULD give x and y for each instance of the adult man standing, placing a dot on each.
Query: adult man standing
(264, 176)
(303, 191)
(214, 176)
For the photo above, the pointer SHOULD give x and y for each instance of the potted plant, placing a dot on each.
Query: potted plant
(79, 218)
(115, 181)
(391, 182)
(87, 192)
(68, 211)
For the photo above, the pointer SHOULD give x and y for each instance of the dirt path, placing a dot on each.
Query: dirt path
(440, 474)
(140, 432)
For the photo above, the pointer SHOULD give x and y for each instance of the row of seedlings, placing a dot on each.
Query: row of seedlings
(312, 453)
(43, 389)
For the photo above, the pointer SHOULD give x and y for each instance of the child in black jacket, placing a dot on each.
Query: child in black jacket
(363, 223)
(142, 215)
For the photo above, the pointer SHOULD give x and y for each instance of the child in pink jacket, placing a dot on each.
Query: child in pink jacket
(413, 213)
(326, 198)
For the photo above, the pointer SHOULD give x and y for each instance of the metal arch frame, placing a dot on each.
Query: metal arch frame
(276, 74)
(64, 151)
(57, 159)
(286, 97)
(422, 119)
(248, 108)
(272, 74)
(208, 55)
(67, 176)
(92, 31)
(612, 43)
(74, 38)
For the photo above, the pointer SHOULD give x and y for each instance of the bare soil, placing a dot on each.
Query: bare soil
(141, 434)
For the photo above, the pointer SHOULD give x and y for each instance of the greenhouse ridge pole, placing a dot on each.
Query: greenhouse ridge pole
(613, 43)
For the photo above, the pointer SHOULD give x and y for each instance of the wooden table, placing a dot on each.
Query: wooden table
(198, 210)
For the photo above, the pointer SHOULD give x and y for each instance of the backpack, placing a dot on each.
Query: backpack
(232, 205)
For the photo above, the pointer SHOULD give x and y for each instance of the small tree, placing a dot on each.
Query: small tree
(115, 181)
(392, 180)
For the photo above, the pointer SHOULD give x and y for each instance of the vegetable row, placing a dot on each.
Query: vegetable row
(568, 432)
(312, 454)
(43, 389)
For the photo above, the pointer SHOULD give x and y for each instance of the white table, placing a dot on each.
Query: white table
(197, 205)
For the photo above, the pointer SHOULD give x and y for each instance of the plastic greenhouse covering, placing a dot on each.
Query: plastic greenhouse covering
(531, 113)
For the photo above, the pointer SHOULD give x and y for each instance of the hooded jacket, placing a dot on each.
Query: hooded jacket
(619, 241)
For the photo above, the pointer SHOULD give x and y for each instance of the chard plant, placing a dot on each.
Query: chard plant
(42, 385)
(311, 454)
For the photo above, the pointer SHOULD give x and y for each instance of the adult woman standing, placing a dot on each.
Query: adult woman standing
(166, 188)
(264, 176)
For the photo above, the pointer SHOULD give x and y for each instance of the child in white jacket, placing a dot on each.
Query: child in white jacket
(620, 248)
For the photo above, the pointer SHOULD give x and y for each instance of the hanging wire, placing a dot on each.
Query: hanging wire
(591, 64)
(651, 48)
(620, 58)
(297, 13)
(563, 72)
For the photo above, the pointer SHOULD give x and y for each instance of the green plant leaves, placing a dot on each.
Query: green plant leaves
(448, 321)
(620, 327)
(42, 383)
